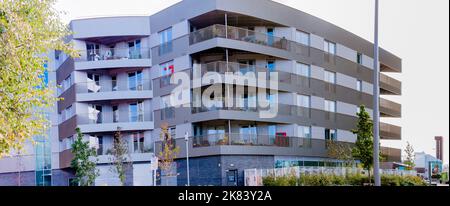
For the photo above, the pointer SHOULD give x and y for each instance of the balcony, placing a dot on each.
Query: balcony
(280, 110)
(234, 67)
(113, 58)
(245, 35)
(390, 132)
(390, 108)
(93, 122)
(389, 85)
(241, 144)
(113, 90)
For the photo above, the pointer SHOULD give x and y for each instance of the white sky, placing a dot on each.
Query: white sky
(415, 30)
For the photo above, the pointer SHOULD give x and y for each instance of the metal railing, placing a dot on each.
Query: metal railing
(113, 54)
(113, 86)
(113, 117)
(390, 107)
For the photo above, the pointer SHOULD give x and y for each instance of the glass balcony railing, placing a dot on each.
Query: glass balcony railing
(97, 117)
(234, 67)
(280, 109)
(113, 54)
(113, 86)
(241, 34)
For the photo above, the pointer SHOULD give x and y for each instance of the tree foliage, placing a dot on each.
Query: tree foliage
(120, 156)
(341, 151)
(82, 163)
(363, 150)
(28, 29)
(409, 156)
(169, 151)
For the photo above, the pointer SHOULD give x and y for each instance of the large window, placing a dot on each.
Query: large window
(330, 77)
(115, 114)
(304, 131)
(138, 142)
(302, 38)
(329, 47)
(167, 69)
(330, 106)
(304, 101)
(272, 132)
(359, 85)
(331, 134)
(303, 70)
(135, 81)
(359, 58)
(135, 49)
(137, 112)
(93, 83)
(165, 40)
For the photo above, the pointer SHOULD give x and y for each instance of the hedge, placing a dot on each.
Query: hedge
(335, 180)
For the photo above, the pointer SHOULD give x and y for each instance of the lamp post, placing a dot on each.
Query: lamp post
(376, 104)
(186, 138)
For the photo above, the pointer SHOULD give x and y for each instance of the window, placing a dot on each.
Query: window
(135, 81)
(329, 47)
(100, 145)
(138, 142)
(359, 58)
(66, 83)
(331, 134)
(167, 69)
(330, 77)
(93, 52)
(358, 110)
(271, 65)
(137, 112)
(115, 114)
(303, 69)
(304, 101)
(304, 131)
(95, 114)
(114, 83)
(330, 106)
(135, 49)
(359, 85)
(302, 38)
(165, 38)
(93, 83)
(272, 132)
(68, 112)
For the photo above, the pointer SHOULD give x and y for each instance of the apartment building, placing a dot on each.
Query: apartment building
(122, 81)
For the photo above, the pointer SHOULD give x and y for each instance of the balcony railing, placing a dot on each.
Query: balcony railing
(250, 140)
(234, 67)
(390, 108)
(390, 84)
(113, 117)
(113, 86)
(282, 109)
(114, 54)
(240, 34)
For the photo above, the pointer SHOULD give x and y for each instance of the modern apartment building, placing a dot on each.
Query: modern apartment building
(122, 80)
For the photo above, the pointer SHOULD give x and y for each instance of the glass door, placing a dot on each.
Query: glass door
(135, 81)
(135, 49)
(93, 52)
(270, 36)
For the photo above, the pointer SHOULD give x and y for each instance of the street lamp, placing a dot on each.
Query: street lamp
(376, 104)
(186, 138)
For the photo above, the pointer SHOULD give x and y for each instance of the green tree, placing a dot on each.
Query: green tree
(363, 150)
(82, 163)
(169, 152)
(28, 29)
(409, 156)
(119, 154)
(341, 151)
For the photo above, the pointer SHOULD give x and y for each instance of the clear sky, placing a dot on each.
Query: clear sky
(415, 30)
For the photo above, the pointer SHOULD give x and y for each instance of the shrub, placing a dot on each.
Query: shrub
(271, 180)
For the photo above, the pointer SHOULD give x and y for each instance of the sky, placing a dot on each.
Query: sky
(415, 30)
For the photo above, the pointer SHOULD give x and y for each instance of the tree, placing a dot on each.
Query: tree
(363, 150)
(82, 163)
(341, 151)
(28, 29)
(169, 152)
(409, 156)
(120, 154)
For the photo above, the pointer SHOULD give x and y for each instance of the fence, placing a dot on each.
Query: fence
(254, 177)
